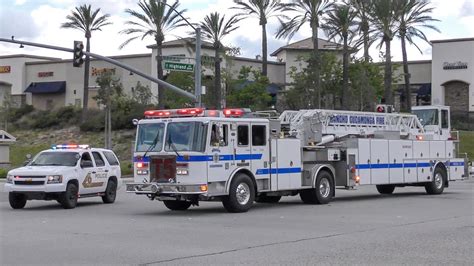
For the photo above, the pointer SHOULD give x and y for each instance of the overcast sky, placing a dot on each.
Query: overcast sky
(40, 20)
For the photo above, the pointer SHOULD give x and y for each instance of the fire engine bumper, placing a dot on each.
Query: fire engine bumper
(166, 189)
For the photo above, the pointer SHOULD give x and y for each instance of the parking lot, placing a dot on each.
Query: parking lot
(358, 227)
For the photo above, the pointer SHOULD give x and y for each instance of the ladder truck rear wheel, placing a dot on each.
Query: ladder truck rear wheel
(436, 186)
(177, 205)
(267, 199)
(385, 189)
(241, 194)
(322, 192)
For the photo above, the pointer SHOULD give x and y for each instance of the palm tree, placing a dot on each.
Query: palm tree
(362, 10)
(214, 29)
(309, 11)
(85, 19)
(414, 14)
(154, 19)
(384, 20)
(263, 10)
(340, 24)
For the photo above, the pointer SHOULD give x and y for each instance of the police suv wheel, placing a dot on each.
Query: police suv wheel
(176, 205)
(267, 199)
(68, 198)
(322, 192)
(436, 186)
(110, 192)
(385, 189)
(17, 200)
(241, 194)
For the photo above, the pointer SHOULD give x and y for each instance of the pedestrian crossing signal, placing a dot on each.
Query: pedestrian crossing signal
(77, 60)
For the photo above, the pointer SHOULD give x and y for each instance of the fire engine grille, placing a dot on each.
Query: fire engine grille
(29, 183)
(163, 168)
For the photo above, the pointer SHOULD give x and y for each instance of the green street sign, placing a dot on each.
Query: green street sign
(179, 66)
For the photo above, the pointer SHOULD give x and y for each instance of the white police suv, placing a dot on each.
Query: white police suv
(65, 173)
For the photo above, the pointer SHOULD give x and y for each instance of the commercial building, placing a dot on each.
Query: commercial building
(47, 82)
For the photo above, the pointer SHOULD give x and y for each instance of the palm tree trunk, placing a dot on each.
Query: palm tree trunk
(217, 79)
(406, 75)
(159, 70)
(388, 72)
(315, 62)
(365, 33)
(85, 95)
(345, 75)
(264, 50)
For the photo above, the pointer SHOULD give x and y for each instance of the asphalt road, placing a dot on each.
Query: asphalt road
(358, 227)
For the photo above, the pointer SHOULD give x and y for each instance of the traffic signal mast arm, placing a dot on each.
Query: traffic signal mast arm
(109, 60)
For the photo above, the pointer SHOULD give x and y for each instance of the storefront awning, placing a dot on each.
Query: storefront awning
(47, 87)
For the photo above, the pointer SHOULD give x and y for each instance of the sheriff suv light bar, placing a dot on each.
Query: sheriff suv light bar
(69, 146)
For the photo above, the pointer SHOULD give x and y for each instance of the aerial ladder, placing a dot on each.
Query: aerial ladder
(318, 127)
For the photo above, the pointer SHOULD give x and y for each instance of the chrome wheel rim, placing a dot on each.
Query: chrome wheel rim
(324, 188)
(438, 181)
(243, 193)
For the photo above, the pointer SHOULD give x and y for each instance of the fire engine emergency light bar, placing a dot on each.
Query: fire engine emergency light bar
(69, 146)
(193, 112)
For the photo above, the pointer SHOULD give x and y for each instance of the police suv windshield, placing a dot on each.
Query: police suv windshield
(56, 159)
(427, 117)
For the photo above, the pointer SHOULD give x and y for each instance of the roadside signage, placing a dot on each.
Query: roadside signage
(179, 66)
(5, 69)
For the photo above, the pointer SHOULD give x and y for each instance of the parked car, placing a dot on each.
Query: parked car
(65, 173)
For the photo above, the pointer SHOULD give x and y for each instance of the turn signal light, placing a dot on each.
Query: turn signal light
(357, 179)
(203, 188)
(419, 137)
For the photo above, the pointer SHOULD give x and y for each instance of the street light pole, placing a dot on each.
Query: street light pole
(197, 67)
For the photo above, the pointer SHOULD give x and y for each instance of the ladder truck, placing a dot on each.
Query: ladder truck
(184, 156)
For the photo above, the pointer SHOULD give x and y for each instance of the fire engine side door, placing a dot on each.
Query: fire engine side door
(260, 150)
(221, 149)
(241, 141)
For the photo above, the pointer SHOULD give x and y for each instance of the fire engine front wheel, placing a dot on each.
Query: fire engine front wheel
(241, 194)
(17, 200)
(437, 185)
(176, 205)
(322, 192)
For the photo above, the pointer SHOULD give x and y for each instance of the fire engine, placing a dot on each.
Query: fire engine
(184, 156)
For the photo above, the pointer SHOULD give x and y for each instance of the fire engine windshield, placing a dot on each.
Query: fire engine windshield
(150, 137)
(56, 159)
(427, 117)
(186, 136)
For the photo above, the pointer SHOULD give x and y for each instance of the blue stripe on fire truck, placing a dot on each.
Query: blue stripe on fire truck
(401, 165)
(278, 171)
(208, 158)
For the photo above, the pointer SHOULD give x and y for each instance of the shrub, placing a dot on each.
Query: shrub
(3, 173)
(94, 121)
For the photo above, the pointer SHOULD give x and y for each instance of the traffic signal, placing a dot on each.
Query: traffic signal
(78, 54)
